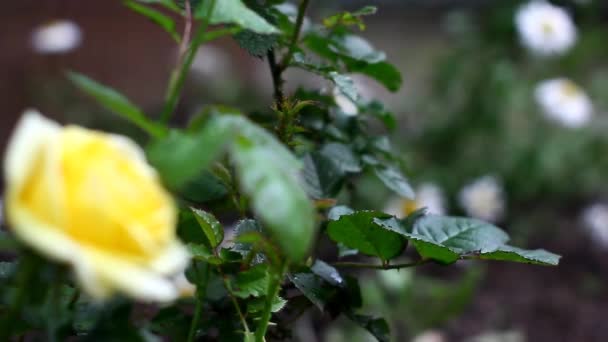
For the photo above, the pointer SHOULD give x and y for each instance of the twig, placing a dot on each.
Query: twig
(296, 35)
(183, 46)
(178, 76)
(380, 267)
(277, 80)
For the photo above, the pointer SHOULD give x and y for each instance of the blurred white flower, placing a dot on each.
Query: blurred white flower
(545, 29)
(498, 336)
(595, 221)
(56, 37)
(211, 61)
(483, 199)
(395, 280)
(346, 105)
(564, 102)
(428, 195)
(430, 336)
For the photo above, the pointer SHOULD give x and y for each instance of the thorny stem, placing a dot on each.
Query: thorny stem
(296, 35)
(233, 300)
(277, 80)
(178, 76)
(183, 47)
(285, 120)
(380, 267)
(273, 290)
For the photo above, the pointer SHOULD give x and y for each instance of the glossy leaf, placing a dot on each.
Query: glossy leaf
(181, 157)
(252, 282)
(268, 173)
(162, 20)
(343, 156)
(235, 12)
(394, 179)
(360, 231)
(322, 176)
(514, 254)
(445, 239)
(378, 327)
(116, 102)
(211, 227)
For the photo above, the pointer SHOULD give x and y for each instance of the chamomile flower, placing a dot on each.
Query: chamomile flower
(56, 37)
(564, 102)
(483, 199)
(428, 195)
(545, 29)
(595, 221)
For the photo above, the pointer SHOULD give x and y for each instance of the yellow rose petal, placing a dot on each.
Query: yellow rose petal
(90, 199)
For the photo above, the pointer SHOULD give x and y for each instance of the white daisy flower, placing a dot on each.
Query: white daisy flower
(595, 221)
(211, 61)
(430, 336)
(395, 280)
(483, 199)
(428, 195)
(564, 102)
(545, 29)
(346, 105)
(56, 37)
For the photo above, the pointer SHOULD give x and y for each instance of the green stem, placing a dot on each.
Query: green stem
(234, 301)
(273, 291)
(178, 76)
(380, 267)
(296, 35)
(198, 310)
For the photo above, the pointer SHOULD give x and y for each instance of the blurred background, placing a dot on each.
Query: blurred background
(494, 122)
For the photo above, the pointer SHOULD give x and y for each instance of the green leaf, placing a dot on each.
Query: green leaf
(7, 243)
(168, 4)
(244, 227)
(7, 269)
(256, 305)
(203, 253)
(256, 44)
(375, 326)
(344, 83)
(211, 227)
(268, 173)
(156, 17)
(235, 12)
(392, 177)
(514, 254)
(359, 230)
(322, 176)
(385, 73)
(328, 273)
(343, 156)
(357, 48)
(349, 18)
(117, 103)
(445, 239)
(313, 287)
(252, 282)
(206, 187)
(181, 157)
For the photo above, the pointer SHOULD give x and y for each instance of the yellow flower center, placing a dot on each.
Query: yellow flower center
(569, 89)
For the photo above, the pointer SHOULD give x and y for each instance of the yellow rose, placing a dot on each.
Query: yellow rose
(89, 199)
